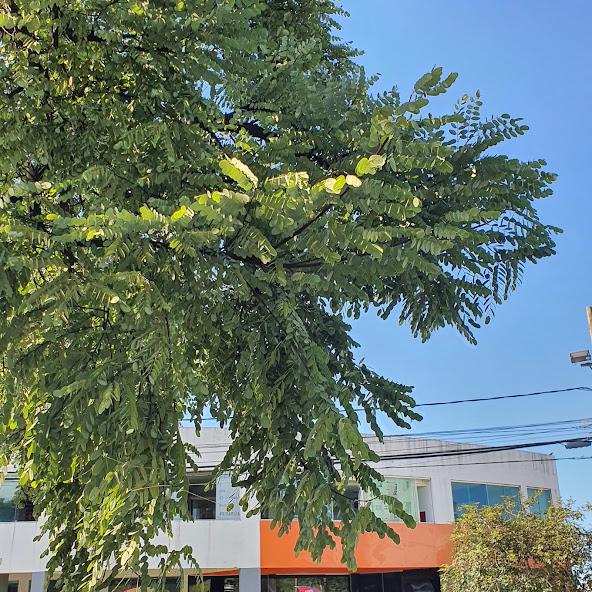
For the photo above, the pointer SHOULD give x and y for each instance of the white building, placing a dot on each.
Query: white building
(432, 478)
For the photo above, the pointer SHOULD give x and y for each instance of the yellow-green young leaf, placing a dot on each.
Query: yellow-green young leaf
(363, 167)
(339, 184)
(240, 172)
(179, 214)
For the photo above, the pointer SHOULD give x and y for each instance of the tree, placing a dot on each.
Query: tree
(508, 548)
(196, 195)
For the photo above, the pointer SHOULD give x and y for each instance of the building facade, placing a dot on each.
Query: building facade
(432, 478)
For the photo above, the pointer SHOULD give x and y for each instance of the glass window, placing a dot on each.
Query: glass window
(306, 583)
(371, 582)
(227, 499)
(132, 585)
(405, 490)
(497, 493)
(391, 582)
(352, 493)
(466, 494)
(8, 493)
(542, 501)
(202, 502)
(213, 584)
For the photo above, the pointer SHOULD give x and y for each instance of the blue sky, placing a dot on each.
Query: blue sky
(532, 60)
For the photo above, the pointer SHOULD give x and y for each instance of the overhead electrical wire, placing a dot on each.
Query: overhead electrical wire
(549, 458)
(475, 450)
(480, 399)
(495, 462)
(498, 397)
(467, 451)
(567, 429)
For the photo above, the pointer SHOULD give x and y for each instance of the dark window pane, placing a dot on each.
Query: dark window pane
(366, 582)
(25, 512)
(302, 583)
(421, 580)
(202, 503)
(337, 584)
(213, 584)
(391, 582)
(281, 584)
(352, 493)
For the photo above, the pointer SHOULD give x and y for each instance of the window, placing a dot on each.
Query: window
(424, 496)
(213, 584)
(467, 494)
(202, 502)
(542, 502)
(8, 493)
(10, 510)
(405, 490)
(322, 583)
(352, 493)
(418, 580)
(219, 501)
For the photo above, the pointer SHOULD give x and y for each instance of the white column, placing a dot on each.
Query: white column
(249, 579)
(38, 581)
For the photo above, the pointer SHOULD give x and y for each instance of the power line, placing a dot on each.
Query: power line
(477, 399)
(567, 428)
(579, 422)
(477, 450)
(563, 431)
(497, 398)
(492, 462)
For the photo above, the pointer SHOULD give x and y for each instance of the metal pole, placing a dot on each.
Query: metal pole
(589, 313)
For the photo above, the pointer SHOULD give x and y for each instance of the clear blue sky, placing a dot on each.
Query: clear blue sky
(532, 60)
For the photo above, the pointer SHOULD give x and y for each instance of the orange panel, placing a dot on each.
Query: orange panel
(427, 545)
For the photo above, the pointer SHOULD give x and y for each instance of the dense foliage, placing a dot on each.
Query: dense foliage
(194, 198)
(508, 548)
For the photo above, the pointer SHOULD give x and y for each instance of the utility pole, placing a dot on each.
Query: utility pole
(582, 357)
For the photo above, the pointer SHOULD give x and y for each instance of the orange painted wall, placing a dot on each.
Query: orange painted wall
(427, 545)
